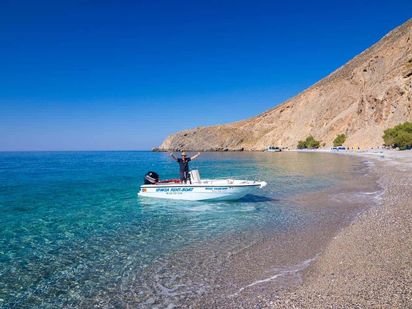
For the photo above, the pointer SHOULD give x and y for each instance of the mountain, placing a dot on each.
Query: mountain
(368, 94)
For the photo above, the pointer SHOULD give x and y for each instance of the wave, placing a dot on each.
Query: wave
(290, 270)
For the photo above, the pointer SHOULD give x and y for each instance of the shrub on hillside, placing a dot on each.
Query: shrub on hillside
(339, 140)
(309, 142)
(399, 136)
(301, 145)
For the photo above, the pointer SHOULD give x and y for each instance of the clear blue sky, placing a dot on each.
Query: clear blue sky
(112, 75)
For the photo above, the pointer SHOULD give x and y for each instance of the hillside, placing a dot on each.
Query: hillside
(370, 93)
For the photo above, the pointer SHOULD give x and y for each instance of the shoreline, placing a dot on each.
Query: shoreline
(368, 264)
(287, 261)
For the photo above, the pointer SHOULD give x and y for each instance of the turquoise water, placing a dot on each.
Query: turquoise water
(74, 233)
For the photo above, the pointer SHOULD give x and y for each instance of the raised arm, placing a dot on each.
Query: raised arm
(195, 156)
(173, 156)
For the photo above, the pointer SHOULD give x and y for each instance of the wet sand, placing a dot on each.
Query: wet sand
(369, 263)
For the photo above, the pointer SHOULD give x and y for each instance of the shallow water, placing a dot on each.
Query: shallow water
(73, 232)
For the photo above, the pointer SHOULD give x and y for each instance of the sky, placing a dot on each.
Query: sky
(123, 75)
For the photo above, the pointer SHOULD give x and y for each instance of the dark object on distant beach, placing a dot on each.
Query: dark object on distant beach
(273, 149)
(151, 178)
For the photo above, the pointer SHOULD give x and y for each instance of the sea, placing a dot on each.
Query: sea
(74, 233)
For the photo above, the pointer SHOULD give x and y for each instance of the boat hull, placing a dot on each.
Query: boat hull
(198, 192)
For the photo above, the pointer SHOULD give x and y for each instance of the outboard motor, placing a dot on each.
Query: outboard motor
(151, 178)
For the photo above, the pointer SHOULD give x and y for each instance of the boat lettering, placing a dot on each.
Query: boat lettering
(174, 189)
(162, 190)
(181, 189)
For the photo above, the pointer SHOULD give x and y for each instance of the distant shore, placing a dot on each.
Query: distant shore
(371, 151)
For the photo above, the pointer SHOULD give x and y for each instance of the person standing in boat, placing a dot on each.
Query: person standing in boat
(184, 164)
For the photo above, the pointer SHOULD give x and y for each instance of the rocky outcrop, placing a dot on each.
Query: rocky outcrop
(370, 93)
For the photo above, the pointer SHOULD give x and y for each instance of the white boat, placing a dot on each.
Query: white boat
(338, 148)
(201, 189)
(273, 149)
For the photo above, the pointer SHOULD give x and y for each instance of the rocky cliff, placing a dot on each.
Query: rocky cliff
(370, 93)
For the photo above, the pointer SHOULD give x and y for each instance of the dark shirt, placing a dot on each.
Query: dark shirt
(184, 165)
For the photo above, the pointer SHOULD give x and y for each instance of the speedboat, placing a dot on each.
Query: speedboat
(197, 189)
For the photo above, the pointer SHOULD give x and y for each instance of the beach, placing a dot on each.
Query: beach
(369, 263)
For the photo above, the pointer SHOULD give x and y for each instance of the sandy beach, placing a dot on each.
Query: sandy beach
(369, 263)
